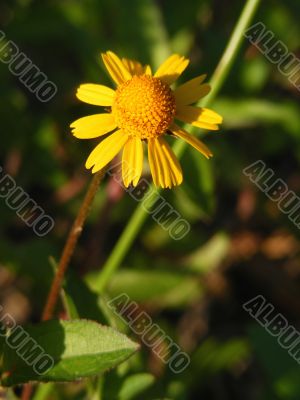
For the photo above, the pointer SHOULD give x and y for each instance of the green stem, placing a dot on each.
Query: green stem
(221, 73)
(121, 248)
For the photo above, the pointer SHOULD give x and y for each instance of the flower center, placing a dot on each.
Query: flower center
(144, 107)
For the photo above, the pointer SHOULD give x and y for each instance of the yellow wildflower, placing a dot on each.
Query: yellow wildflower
(143, 108)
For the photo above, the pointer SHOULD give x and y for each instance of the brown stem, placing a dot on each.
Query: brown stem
(26, 392)
(66, 257)
(70, 247)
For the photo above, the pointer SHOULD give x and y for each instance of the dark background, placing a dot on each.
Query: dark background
(240, 245)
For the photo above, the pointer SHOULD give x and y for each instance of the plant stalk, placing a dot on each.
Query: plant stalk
(217, 81)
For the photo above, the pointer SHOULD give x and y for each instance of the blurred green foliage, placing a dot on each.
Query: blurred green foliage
(194, 289)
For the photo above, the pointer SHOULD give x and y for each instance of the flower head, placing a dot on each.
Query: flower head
(143, 108)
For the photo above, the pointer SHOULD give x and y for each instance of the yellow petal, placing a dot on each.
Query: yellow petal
(93, 126)
(164, 166)
(172, 162)
(200, 117)
(192, 140)
(132, 161)
(134, 67)
(154, 162)
(172, 68)
(147, 70)
(116, 68)
(191, 91)
(97, 95)
(106, 151)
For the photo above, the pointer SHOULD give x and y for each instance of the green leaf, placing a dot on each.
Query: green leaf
(213, 356)
(43, 391)
(163, 289)
(79, 349)
(210, 255)
(134, 385)
(241, 113)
